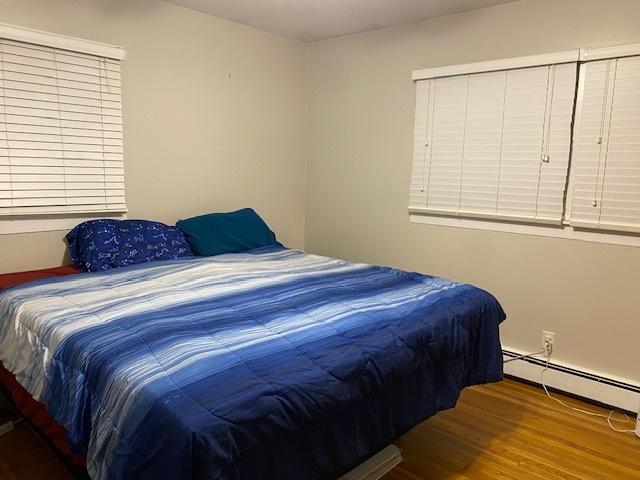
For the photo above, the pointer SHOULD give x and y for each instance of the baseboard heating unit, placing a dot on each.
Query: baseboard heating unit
(377, 466)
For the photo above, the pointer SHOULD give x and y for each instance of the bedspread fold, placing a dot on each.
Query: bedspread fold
(268, 364)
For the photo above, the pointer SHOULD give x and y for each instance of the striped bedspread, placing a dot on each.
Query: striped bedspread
(269, 364)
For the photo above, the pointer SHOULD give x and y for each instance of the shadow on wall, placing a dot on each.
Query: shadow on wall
(66, 258)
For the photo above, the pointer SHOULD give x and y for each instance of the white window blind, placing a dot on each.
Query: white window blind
(605, 172)
(494, 144)
(61, 145)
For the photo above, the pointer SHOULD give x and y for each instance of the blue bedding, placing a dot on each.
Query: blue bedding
(261, 365)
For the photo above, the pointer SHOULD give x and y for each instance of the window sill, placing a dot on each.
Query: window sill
(50, 223)
(558, 231)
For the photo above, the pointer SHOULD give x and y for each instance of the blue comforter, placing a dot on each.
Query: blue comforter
(273, 364)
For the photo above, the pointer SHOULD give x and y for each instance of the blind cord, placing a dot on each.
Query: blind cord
(528, 355)
(610, 417)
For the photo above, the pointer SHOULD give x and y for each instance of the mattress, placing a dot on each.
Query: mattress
(269, 364)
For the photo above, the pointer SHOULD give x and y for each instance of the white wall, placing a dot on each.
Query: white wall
(195, 140)
(361, 102)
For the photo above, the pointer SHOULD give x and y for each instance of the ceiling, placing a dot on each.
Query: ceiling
(311, 20)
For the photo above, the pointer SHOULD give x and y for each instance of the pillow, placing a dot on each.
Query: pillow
(104, 244)
(233, 232)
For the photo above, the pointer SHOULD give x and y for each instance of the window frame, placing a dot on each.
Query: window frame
(564, 229)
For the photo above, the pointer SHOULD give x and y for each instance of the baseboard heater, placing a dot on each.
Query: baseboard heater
(585, 385)
(376, 466)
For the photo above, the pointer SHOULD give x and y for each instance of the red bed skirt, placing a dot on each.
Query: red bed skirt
(38, 415)
(11, 279)
(31, 409)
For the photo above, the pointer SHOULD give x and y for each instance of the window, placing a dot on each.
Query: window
(61, 142)
(605, 187)
(493, 140)
(494, 144)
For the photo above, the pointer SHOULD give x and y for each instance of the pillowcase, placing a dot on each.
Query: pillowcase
(104, 244)
(234, 232)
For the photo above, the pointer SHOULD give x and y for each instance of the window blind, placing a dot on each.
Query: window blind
(61, 145)
(605, 172)
(494, 144)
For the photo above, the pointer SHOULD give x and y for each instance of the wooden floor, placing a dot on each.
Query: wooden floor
(511, 430)
(501, 431)
(23, 456)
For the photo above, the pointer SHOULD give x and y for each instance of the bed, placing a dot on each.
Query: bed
(268, 364)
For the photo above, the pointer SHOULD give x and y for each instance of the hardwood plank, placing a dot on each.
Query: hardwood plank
(23, 456)
(511, 430)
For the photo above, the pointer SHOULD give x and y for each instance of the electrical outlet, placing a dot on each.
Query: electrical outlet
(548, 338)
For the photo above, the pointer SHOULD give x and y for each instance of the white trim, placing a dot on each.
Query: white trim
(73, 44)
(576, 55)
(615, 51)
(559, 231)
(483, 215)
(53, 213)
(38, 223)
(376, 466)
(495, 65)
(584, 387)
(606, 226)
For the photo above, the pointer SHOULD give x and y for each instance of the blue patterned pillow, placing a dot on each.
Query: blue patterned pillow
(104, 244)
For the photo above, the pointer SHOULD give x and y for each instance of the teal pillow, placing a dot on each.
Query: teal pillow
(233, 232)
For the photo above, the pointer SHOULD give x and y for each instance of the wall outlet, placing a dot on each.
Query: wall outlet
(548, 338)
